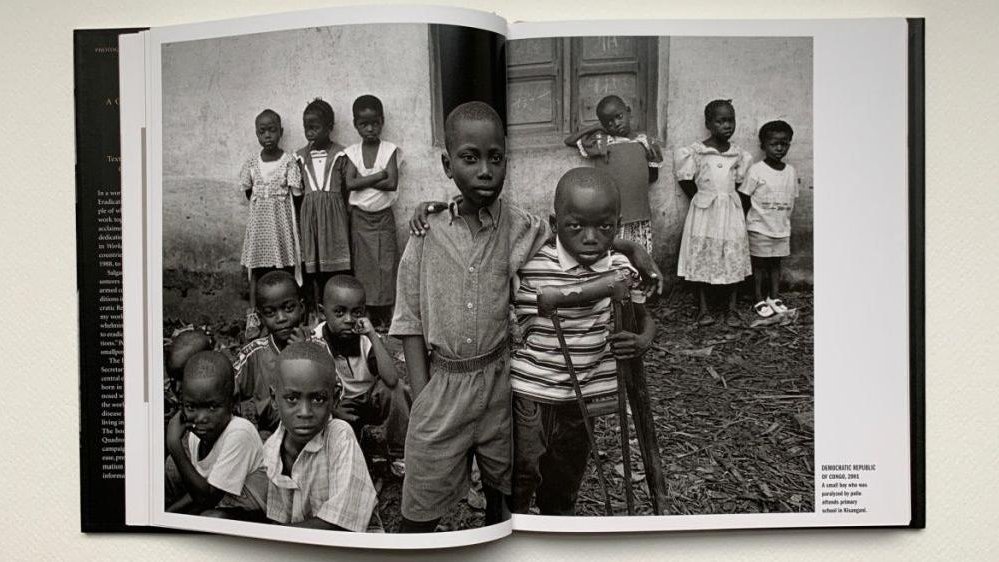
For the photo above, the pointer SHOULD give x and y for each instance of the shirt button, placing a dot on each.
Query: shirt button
(468, 340)
(719, 165)
(471, 268)
(469, 305)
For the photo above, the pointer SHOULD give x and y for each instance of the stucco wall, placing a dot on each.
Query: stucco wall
(212, 90)
(767, 78)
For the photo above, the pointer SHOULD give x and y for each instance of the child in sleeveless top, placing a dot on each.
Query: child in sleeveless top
(372, 179)
(714, 249)
(269, 179)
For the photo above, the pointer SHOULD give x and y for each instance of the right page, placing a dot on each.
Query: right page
(764, 165)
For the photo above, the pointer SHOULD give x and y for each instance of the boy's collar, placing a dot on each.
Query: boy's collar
(567, 261)
(348, 347)
(315, 444)
(488, 215)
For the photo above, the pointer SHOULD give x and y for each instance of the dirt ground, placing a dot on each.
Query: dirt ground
(733, 409)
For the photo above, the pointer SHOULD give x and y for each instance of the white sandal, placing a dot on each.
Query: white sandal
(777, 306)
(763, 309)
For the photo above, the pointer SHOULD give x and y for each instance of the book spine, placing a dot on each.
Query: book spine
(917, 268)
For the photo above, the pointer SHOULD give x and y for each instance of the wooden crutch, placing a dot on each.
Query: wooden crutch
(630, 376)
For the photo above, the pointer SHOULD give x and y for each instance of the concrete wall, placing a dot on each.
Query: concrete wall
(767, 79)
(212, 90)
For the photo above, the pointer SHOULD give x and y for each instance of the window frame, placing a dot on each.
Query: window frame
(566, 74)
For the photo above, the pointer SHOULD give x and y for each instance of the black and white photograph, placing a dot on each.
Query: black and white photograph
(418, 278)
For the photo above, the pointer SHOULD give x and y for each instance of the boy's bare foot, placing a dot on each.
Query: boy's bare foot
(733, 319)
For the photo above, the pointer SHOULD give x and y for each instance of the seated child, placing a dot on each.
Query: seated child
(551, 446)
(372, 391)
(281, 310)
(595, 142)
(315, 468)
(219, 471)
(772, 187)
(176, 354)
(453, 300)
(372, 178)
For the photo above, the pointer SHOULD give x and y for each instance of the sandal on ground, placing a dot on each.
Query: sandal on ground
(777, 305)
(705, 319)
(733, 319)
(763, 309)
(252, 325)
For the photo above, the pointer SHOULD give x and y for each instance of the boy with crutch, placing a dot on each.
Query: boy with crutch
(552, 436)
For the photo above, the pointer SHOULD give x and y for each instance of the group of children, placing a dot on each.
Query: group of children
(290, 457)
(325, 209)
(739, 221)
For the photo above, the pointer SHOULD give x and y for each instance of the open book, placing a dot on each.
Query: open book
(346, 179)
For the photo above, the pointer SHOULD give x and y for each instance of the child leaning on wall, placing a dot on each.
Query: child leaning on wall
(372, 178)
(607, 145)
(772, 187)
(269, 179)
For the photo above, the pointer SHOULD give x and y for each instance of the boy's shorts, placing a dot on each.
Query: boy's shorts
(464, 408)
(763, 246)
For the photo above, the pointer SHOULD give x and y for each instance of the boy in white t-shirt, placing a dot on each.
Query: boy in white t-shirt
(219, 466)
(772, 186)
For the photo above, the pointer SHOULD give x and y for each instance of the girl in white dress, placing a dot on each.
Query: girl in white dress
(714, 249)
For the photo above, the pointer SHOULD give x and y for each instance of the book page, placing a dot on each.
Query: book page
(779, 414)
(285, 151)
(99, 279)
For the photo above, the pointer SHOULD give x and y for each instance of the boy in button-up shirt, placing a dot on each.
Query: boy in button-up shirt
(315, 468)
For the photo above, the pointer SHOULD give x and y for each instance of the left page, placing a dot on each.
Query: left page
(283, 158)
(98, 223)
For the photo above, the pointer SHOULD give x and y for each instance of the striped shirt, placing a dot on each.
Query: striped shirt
(329, 480)
(537, 369)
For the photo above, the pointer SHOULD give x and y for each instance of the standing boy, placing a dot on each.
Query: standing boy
(772, 187)
(551, 445)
